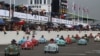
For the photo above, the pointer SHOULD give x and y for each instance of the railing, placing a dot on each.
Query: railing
(30, 17)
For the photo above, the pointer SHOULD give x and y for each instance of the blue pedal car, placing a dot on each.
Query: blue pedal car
(22, 41)
(61, 42)
(82, 42)
(42, 40)
(51, 48)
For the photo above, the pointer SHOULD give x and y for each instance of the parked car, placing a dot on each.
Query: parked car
(82, 42)
(51, 48)
(12, 50)
(27, 45)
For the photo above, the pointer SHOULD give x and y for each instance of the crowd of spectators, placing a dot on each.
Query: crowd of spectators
(34, 26)
(21, 8)
(41, 27)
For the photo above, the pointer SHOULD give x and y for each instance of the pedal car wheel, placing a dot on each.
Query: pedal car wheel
(31, 48)
(57, 51)
(45, 52)
(37, 44)
(6, 55)
(22, 48)
(85, 44)
(18, 54)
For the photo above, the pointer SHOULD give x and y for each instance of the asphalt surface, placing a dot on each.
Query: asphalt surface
(92, 49)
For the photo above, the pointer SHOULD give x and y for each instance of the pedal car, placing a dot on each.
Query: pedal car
(56, 39)
(77, 36)
(82, 42)
(91, 35)
(27, 45)
(21, 41)
(97, 39)
(73, 40)
(86, 37)
(61, 42)
(51, 48)
(35, 42)
(12, 50)
(42, 40)
(68, 40)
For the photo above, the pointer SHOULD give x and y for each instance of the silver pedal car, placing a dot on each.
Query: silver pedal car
(51, 48)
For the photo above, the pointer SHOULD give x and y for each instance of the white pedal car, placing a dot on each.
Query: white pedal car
(97, 39)
(51, 48)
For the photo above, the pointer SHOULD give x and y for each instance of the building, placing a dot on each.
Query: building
(40, 5)
(55, 7)
(59, 7)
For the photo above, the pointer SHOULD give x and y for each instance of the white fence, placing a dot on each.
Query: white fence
(5, 39)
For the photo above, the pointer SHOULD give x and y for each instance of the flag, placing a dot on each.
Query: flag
(79, 8)
(84, 10)
(87, 10)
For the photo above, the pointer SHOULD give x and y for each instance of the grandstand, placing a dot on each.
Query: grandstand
(28, 15)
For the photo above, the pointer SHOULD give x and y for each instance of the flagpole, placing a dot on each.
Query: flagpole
(60, 10)
(14, 8)
(82, 15)
(10, 10)
(78, 12)
(27, 10)
(87, 17)
(14, 5)
(73, 9)
(38, 10)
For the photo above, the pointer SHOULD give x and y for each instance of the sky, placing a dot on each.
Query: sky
(92, 5)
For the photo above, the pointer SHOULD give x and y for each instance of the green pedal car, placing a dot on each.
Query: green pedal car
(12, 50)
(61, 42)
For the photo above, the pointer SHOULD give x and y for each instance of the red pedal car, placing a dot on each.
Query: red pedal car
(77, 36)
(27, 45)
(35, 42)
(68, 40)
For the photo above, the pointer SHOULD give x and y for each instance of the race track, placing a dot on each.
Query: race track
(92, 49)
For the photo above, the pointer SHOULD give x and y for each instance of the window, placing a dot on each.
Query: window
(64, 1)
(39, 6)
(44, 1)
(31, 2)
(40, 1)
(35, 1)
